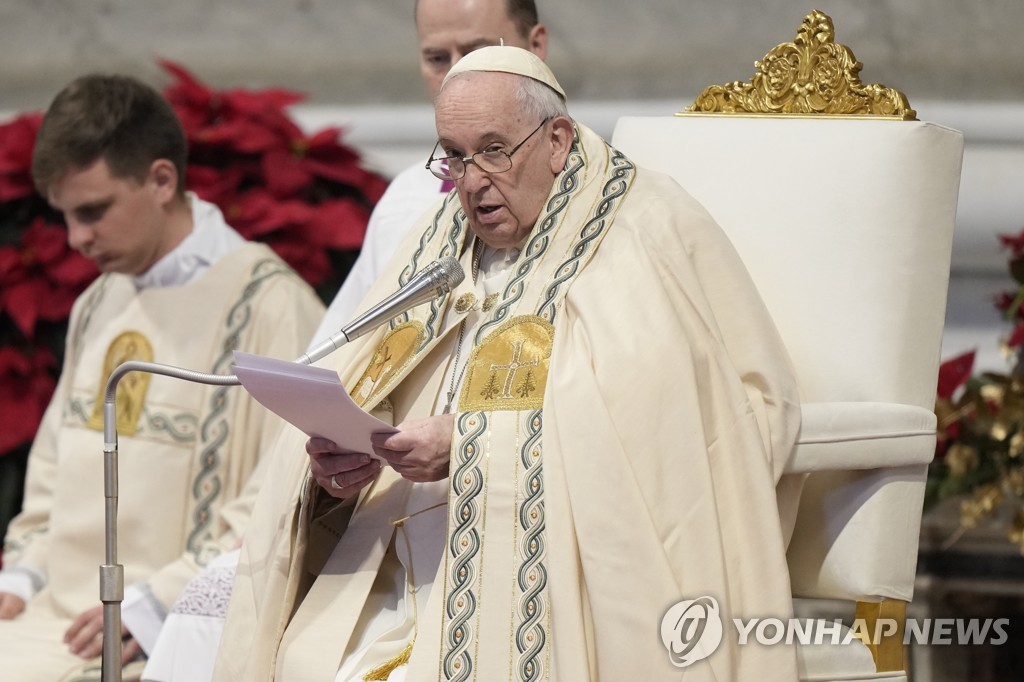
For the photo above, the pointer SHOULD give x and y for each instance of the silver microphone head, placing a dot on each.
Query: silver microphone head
(435, 279)
(449, 274)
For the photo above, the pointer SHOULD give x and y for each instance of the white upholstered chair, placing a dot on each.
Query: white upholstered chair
(842, 208)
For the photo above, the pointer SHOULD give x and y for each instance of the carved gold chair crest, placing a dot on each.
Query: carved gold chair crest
(811, 75)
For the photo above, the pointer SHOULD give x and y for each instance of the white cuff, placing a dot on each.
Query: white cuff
(22, 581)
(143, 615)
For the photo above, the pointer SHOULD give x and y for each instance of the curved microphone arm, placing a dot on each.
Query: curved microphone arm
(112, 573)
(436, 279)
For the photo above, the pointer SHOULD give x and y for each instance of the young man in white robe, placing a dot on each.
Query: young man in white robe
(178, 287)
(590, 430)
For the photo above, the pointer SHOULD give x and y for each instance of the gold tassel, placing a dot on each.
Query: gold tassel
(384, 670)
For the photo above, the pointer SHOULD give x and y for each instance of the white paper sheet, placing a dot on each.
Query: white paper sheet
(311, 398)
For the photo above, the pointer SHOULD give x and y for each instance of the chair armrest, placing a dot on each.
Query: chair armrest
(837, 436)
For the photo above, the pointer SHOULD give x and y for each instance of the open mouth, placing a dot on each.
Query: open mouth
(487, 210)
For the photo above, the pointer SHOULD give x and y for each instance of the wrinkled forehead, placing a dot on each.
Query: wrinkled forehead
(476, 96)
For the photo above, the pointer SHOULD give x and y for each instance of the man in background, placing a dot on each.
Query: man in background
(179, 287)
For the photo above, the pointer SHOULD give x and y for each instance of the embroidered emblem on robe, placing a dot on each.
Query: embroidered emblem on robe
(131, 390)
(391, 357)
(509, 369)
(464, 303)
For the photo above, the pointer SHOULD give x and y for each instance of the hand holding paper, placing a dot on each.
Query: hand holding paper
(312, 399)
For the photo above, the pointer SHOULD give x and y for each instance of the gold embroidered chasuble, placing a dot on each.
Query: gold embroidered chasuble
(185, 450)
(514, 598)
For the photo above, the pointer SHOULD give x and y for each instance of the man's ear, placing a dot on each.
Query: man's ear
(537, 40)
(561, 141)
(163, 177)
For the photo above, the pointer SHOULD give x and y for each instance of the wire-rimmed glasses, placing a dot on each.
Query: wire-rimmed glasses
(488, 160)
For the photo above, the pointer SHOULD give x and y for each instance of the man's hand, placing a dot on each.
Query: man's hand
(10, 605)
(420, 450)
(85, 636)
(341, 474)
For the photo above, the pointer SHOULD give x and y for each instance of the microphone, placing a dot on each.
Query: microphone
(436, 279)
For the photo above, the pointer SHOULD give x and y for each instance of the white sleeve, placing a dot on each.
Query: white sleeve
(21, 581)
(143, 615)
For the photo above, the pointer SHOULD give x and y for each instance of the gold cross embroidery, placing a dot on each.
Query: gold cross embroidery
(521, 349)
(513, 366)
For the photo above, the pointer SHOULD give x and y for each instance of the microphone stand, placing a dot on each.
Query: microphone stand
(436, 279)
(112, 573)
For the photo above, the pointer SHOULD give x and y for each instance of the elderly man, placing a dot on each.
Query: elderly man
(179, 287)
(590, 429)
(446, 31)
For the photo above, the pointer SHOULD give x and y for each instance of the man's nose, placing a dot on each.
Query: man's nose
(79, 236)
(475, 177)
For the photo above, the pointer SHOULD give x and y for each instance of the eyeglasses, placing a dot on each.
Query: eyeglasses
(489, 160)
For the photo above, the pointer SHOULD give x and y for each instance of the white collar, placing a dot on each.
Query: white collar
(496, 262)
(210, 240)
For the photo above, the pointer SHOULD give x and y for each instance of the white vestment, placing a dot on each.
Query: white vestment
(185, 450)
(627, 411)
(405, 581)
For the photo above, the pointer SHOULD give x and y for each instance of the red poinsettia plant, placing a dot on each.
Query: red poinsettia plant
(980, 450)
(40, 277)
(306, 195)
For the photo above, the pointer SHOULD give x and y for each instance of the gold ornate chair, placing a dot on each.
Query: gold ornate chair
(842, 206)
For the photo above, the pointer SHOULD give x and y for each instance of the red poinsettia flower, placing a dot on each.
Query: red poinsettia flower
(290, 169)
(1016, 336)
(246, 121)
(218, 186)
(28, 386)
(198, 105)
(258, 215)
(338, 224)
(299, 193)
(17, 139)
(257, 123)
(194, 103)
(243, 135)
(1003, 300)
(299, 232)
(954, 373)
(42, 278)
(1014, 242)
